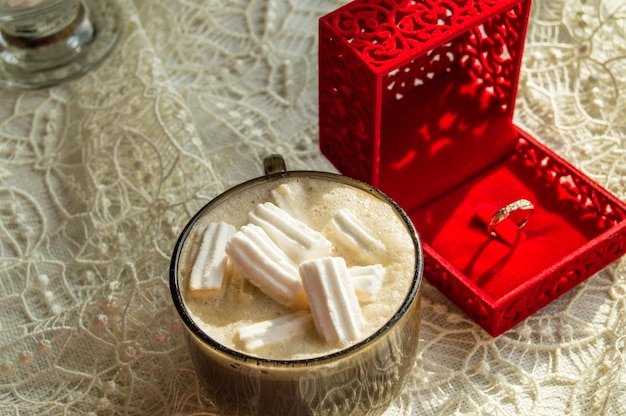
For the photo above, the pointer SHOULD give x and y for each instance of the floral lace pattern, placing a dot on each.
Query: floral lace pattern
(98, 176)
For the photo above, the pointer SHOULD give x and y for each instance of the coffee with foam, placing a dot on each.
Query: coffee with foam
(325, 206)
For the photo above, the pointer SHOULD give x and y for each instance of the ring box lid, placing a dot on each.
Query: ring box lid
(417, 98)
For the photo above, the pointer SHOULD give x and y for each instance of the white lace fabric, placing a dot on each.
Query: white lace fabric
(99, 175)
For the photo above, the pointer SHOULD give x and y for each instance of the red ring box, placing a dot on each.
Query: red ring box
(417, 98)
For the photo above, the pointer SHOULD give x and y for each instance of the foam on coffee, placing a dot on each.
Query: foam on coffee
(317, 201)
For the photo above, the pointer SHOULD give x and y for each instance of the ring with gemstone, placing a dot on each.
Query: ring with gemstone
(519, 212)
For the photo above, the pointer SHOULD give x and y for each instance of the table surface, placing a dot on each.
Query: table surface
(99, 175)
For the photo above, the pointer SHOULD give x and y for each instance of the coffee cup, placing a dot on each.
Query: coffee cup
(361, 378)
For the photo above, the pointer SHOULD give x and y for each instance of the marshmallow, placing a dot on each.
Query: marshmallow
(299, 241)
(265, 265)
(290, 197)
(367, 281)
(349, 233)
(209, 266)
(274, 331)
(333, 302)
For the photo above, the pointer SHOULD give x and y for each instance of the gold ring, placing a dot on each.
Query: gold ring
(522, 209)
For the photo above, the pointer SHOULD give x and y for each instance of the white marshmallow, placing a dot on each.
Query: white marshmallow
(209, 267)
(290, 197)
(348, 232)
(274, 331)
(333, 302)
(299, 241)
(265, 265)
(367, 281)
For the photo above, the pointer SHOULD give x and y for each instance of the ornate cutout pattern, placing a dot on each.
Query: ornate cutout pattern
(373, 52)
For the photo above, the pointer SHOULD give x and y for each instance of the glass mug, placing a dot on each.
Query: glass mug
(362, 379)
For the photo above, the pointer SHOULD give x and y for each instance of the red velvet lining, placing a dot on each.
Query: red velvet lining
(451, 226)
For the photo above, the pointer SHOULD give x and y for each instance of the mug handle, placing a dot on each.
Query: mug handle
(274, 164)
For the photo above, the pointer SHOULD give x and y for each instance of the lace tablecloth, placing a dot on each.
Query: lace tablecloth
(99, 175)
